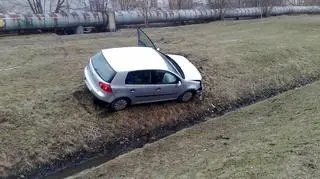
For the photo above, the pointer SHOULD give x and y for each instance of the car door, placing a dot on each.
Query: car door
(144, 40)
(167, 85)
(139, 88)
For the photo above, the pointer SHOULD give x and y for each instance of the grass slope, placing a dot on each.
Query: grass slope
(276, 138)
(46, 115)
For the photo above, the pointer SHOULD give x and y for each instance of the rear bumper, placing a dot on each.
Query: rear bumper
(95, 89)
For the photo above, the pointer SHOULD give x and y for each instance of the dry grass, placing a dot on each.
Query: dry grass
(45, 113)
(277, 138)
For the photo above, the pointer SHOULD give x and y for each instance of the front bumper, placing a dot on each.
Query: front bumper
(200, 92)
(200, 95)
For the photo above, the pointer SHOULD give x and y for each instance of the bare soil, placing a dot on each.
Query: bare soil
(47, 116)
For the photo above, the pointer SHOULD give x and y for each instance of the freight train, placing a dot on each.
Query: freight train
(81, 22)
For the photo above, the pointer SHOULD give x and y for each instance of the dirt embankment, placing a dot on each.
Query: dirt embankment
(47, 118)
(278, 137)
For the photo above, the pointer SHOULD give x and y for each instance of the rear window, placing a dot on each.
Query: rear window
(102, 67)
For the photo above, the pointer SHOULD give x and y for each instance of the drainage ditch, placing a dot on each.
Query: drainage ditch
(82, 160)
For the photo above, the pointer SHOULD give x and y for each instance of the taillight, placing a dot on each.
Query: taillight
(105, 87)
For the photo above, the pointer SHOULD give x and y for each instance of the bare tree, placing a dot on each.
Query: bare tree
(302, 2)
(38, 6)
(127, 4)
(310, 2)
(221, 5)
(268, 5)
(83, 5)
(60, 5)
(2, 7)
(145, 9)
(180, 4)
(247, 3)
(11, 6)
(146, 6)
(98, 5)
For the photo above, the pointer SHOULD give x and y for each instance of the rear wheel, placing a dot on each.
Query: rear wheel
(119, 104)
(186, 96)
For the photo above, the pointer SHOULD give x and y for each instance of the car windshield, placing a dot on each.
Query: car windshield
(172, 65)
(102, 67)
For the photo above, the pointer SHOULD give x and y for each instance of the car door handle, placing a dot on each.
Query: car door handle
(158, 89)
(133, 90)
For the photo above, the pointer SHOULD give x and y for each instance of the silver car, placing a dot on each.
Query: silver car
(132, 75)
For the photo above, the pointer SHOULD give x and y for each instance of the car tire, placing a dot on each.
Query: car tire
(186, 96)
(119, 104)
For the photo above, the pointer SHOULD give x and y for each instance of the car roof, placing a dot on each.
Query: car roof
(125, 59)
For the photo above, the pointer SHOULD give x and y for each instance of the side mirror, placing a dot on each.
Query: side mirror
(179, 83)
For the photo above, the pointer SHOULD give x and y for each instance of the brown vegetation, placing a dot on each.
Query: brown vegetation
(276, 138)
(47, 115)
(181, 4)
(38, 6)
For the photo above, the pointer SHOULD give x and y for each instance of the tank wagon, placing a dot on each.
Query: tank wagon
(162, 16)
(75, 22)
(80, 22)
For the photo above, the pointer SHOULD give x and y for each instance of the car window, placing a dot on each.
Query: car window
(162, 77)
(102, 67)
(139, 77)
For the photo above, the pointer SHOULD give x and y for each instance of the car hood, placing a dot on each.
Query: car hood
(189, 70)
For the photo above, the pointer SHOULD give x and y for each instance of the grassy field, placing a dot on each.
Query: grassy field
(46, 114)
(276, 138)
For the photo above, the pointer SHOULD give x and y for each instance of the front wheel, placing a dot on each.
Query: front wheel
(119, 104)
(186, 96)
